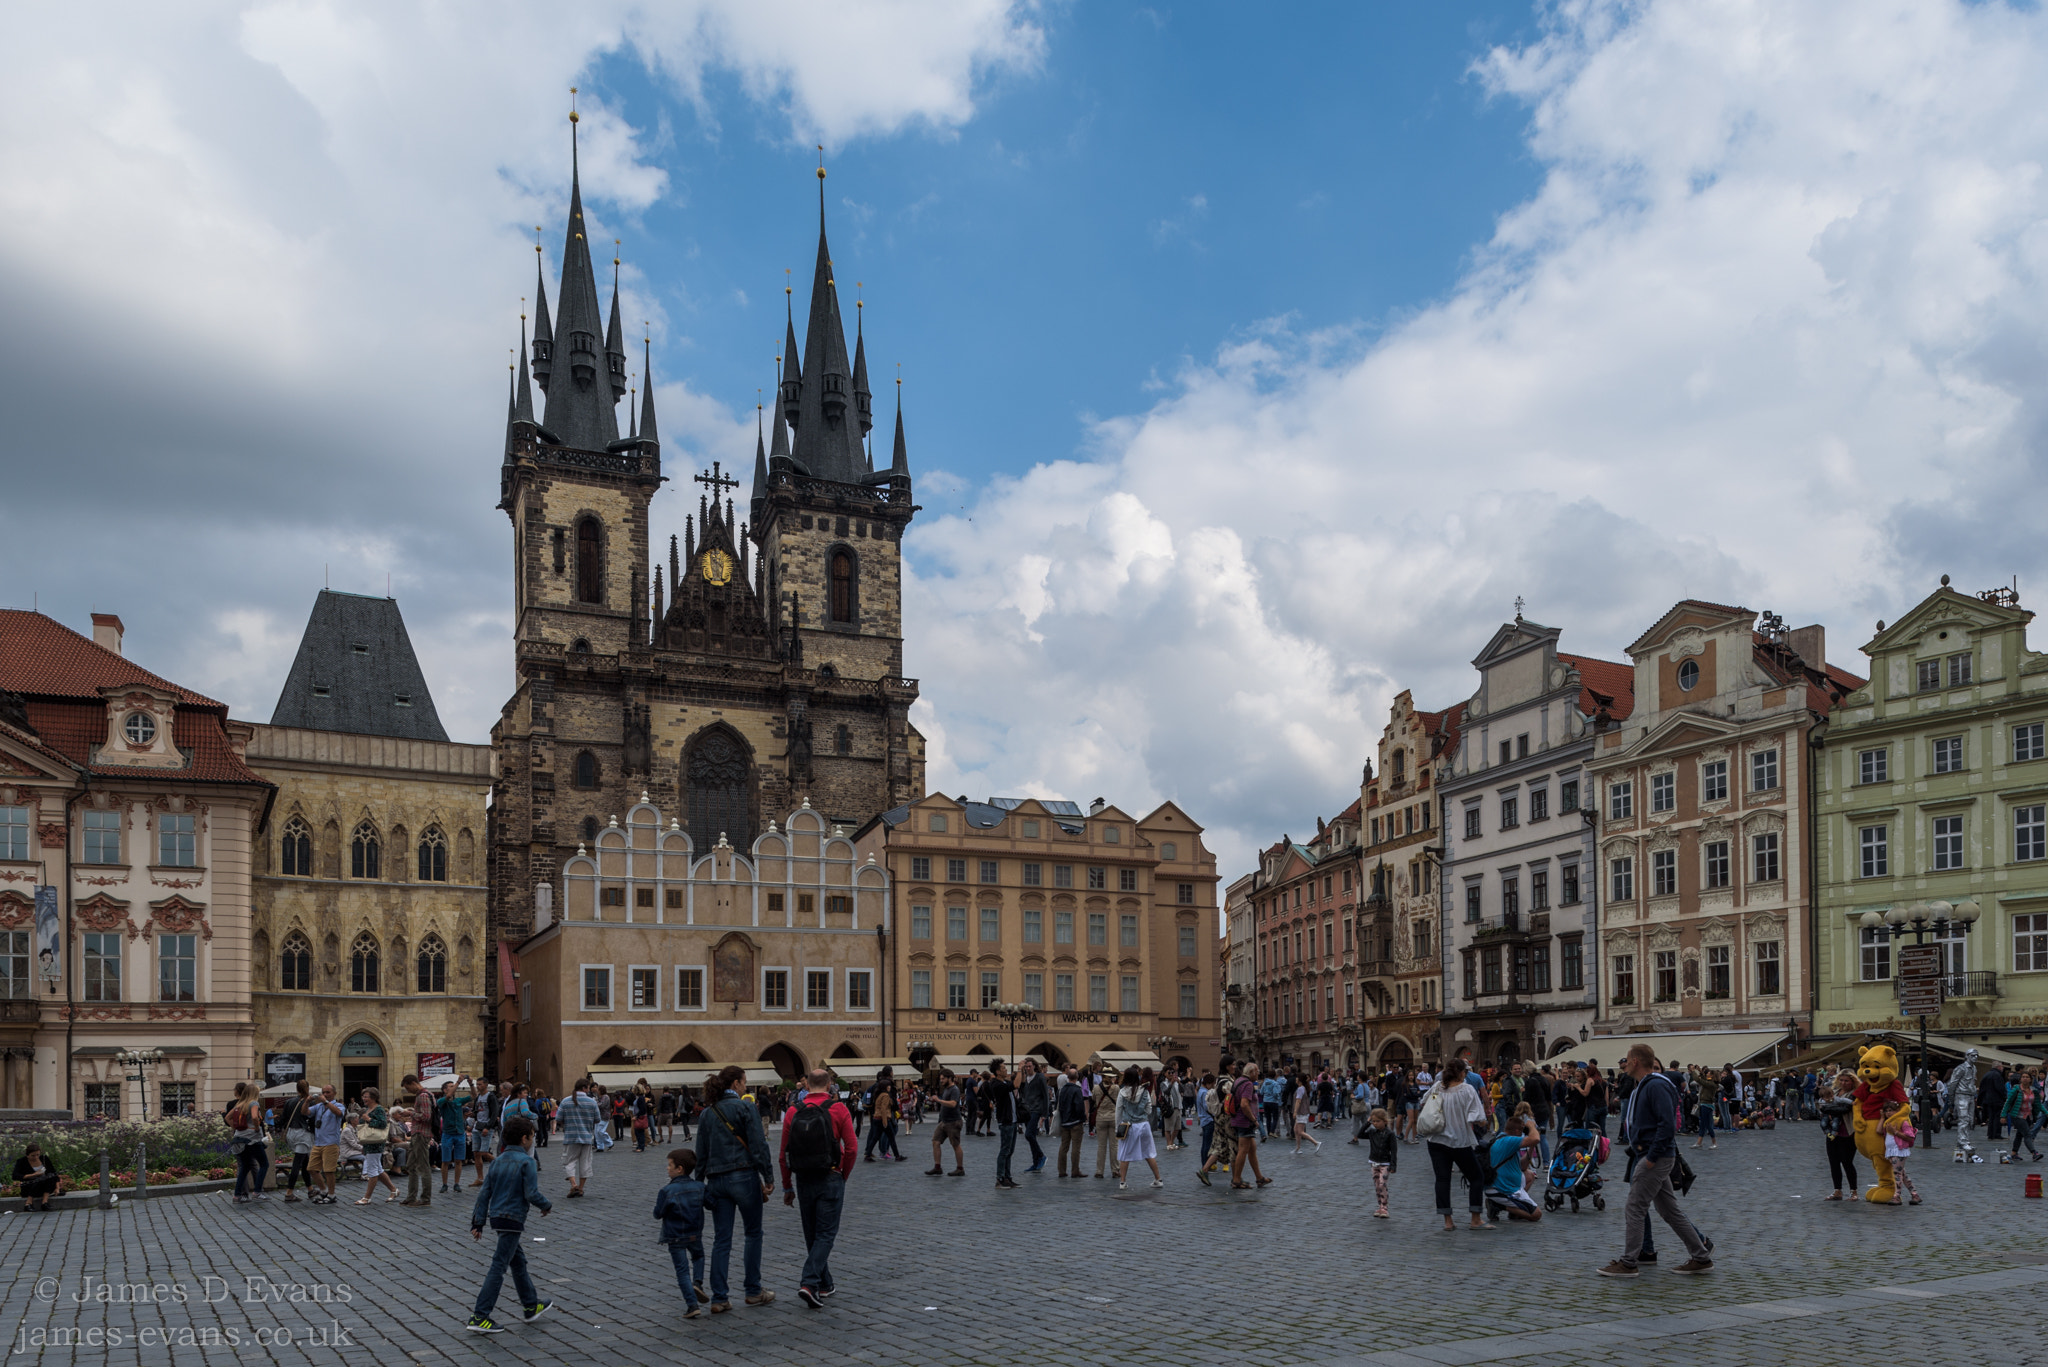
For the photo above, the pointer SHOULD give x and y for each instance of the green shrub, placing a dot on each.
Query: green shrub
(187, 1142)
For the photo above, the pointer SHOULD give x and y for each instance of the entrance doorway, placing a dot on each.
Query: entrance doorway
(362, 1065)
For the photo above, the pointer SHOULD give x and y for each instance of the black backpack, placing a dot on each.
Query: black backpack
(813, 1147)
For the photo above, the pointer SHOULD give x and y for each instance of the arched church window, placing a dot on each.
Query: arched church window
(295, 964)
(718, 778)
(365, 853)
(842, 740)
(362, 964)
(842, 586)
(586, 769)
(589, 830)
(296, 850)
(433, 965)
(589, 562)
(433, 856)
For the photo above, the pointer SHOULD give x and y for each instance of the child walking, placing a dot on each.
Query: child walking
(680, 1208)
(1898, 1147)
(510, 1188)
(1385, 1148)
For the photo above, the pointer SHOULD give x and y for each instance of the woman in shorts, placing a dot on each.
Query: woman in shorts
(1134, 1129)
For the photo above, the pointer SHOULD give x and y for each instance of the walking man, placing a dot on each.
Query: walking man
(1651, 1124)
(580, 1117)
(1002, 1103)
(732, 1157)
(419, 1149)
(1072, 1107)
(326, 1165)
(817, 1157)
(948, 1128)
(1035, 1100)
(1244, 1127)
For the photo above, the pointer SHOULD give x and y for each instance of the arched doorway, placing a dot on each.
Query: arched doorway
(982, 1051)
(362, 1065)
(1182, 1062)
(690, 1053)
(1395, 1053)
(1350, 1059)
(846, 1051)
(785, 1060)
(1509, 1053)
(1050, 1052)
(1560, 1047)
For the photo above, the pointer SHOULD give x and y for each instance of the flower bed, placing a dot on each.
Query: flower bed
(179, 1149)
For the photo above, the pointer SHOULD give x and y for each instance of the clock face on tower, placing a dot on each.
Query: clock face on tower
(717, 566)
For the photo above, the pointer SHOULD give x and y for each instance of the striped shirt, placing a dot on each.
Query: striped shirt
(579, 1119)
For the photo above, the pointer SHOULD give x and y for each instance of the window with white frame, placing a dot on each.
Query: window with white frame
(2030, 943)
(14, 833)
(1034, 991)
(1763, 850)
(1873, 766)
(102, 837)
(1874, 846)
(1927, 675)
(1664, 791)
(1127, 931)
(817, 989)
(991, 924)
(1186, 936)
(1948, 755)
(860, 989)
(1063, 991)
(1714, 781)
(920, 923)
(597, 987)
(1034, 926)
(2029, 742)
(1624, 969)
(1621, 801)
(956, 989)
(1098, 992)
(1948, 842)
(1063, 927)
(1539, 804)
(2030, 832)
(1666, 967)
(1098, 927)
(1958, 670)
(1718, 975)
(177, 841)
(1621, 879)
(921, 988)
(1770, 981)
(956, 923)
(1876, 946)
(689, 989)
(1663, 873)
(177, 968)
(1714, 859)
(1510, 812)
(1129, 992)
(14, 961)
(1188, 1001)
(643, 987)
(991, 989)
(775, 989)
(1473, 818)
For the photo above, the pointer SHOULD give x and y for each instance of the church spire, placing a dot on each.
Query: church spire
(647, 432)
(899, 468)
(790, 387)
(827, 443)
(614, 343)
(862, 400)
(543, 331)
(582, 405)
(522, 390)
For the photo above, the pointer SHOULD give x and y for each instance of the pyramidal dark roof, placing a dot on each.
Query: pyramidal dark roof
(356, 672)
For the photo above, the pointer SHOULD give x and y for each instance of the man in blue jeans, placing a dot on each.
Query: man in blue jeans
(738, 1175)
(818, 1145)
(509, 1190)
(1001, 1098)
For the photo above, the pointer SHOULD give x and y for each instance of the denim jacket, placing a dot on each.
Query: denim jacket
(510, 1186)
(730, 1139)
(680, 1208)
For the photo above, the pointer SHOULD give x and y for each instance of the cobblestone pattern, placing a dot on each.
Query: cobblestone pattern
(949, 1270)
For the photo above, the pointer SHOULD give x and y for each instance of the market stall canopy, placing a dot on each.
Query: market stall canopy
(1121, 1059)
(1711, 1048)
(960, 1063)
(690, 1075)
(868, 1069)
(1907, 1042)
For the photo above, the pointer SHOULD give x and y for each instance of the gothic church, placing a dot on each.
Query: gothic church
(759, 668)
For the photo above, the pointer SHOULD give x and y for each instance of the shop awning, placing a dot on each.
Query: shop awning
(1709, 1047)
(689, 1075)
(868, 1069)
(1121, 1059)
(1907, 1042)
(960, 1063)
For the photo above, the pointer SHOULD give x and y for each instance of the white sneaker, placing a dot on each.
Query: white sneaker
(1158, 1181)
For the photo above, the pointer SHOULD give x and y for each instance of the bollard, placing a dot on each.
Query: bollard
(141, 1171)
(106, 1181)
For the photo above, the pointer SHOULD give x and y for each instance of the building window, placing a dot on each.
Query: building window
(1623, 879)
(1768, 981)
(689, 989)
(921, 988)
(1718, 974)
(2030, 832)
(1928, 676)
(1506, 753)
(1063, 927)
(956, 989)
(1519, 977)
(177, 968)
(643, 989)
(1034, 991)
(938, 822)
(1572, 965)
(1129, 994)
(1764, 858)
(1689, 675)
(1127, 931)
(295, 851)
(1663, 792)
(1489, 970)
(1763, 771)
(1187, 940)
(177, 1098)
(1473, 896)
(1958, 670)
(1624, 979)
(589, 562)
(1063, 991)
(2027, 742)
(1034, 875)
(1098, 992)
(1621, 801)
(1716, 860)
(1421, 938)
(1948, 755)
(432, 965)
(920, 923)
(1510, 896)
(1876, 946)
(1714, 781)
(817, 989)
(1539, 804)
(1473, 817)
(1663, 873)
(103, 966)
(295, 964)
(1126, 880)
(1034, 926)
(14, 833)
(365, 853)
(991, 989)
(102, 837)
(2030, 942)
(1872, 766)
(362, 964)
(1875, 843)
(920, 869)
(956, 870)
(990, 871)
(177, 844)
(1948, 842)
(433, 856)
(1509, 816)
(1098, 928)
(842, 586)
(1184, 893)
(140, 728)
(1665, 965)
(991, 924)
(103, 1100)
(1568, 884)
(1568, 795)
(611, 897)
(1063, 875)
(1471, 975)
(775, 989)
(589, 830)
(956, 923)
(1098, 880)
(1189, 1003)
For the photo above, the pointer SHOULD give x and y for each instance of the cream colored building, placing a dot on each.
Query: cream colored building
(1102, 925)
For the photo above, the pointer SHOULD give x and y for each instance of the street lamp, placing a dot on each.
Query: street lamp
(1161, 1045)
(140, 1063)
(1940, 919)
(1014, 1012)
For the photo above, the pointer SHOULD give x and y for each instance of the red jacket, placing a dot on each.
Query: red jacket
(842, 1130)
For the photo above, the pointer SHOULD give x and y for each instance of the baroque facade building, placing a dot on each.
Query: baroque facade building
(1238, 950)
(1703, 800)
(1933, 789)
(1305, 899)
(370, 956)
(1520, 891)
(127, 816)
(1101, 925)
(759, 669)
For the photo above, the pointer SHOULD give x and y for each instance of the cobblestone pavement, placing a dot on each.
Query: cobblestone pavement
(949, 1270)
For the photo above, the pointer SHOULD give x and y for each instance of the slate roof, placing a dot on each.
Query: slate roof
(356, 649)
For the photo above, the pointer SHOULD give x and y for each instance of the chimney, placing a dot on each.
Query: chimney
(1810, 644)
(1095, 808)
(106, 631)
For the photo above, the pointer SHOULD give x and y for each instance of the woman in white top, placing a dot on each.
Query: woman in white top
(1134, 1129)
(1457, 1143)
(1302, 1103)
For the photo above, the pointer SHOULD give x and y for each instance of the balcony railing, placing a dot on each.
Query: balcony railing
(1961, 986)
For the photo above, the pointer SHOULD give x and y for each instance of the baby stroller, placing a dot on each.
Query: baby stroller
(1575, 1171)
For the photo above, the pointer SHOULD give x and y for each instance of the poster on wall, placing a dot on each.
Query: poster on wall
(436, 1065)
(282, 1070)
(49, 935)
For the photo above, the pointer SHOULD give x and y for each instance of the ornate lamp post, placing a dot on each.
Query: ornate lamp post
(1161, 1045)
(1942, 920)
(140, 1063)
(1014, 1012)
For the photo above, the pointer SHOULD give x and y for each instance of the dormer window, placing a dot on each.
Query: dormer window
(319, 690)
(359, 648)
(140, 728)
(401, 700)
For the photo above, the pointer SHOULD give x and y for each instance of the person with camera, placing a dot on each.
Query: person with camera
(1651, 1123)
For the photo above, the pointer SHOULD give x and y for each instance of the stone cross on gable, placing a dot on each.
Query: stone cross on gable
(1518, 607)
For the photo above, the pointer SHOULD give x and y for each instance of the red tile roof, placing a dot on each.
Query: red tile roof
(40, 656)
(1604, 686)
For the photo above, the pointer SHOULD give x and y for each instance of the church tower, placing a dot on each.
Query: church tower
(759, 669)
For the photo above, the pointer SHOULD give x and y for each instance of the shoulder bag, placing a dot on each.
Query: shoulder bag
(1430, 1119)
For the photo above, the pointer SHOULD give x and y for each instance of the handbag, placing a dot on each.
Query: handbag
(367, 1135)
(1430, 1120)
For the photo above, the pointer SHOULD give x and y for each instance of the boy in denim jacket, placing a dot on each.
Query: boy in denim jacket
(511, 1189)
(680, 1208)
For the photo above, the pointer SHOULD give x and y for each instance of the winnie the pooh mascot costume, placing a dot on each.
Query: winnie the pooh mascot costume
(1878, 1096)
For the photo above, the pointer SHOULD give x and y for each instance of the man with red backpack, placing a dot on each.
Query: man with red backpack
(818, 1152)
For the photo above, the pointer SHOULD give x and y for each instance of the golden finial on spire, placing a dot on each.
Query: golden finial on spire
(522, 308)
(574, 117)
(821, 161)
(615, 254)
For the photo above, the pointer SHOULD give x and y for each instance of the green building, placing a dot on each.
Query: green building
(1933, 790)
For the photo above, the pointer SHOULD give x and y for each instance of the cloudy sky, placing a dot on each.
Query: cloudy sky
(1254, 362)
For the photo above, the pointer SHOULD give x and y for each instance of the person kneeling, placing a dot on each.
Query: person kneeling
(1509, 1193)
